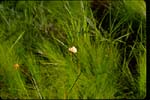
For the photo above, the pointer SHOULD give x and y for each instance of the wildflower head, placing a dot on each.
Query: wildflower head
(73, 49)
(16, 66)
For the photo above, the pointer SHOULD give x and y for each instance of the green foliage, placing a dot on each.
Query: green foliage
(36, 35)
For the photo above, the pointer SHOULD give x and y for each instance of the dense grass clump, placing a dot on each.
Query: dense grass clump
(36, 62)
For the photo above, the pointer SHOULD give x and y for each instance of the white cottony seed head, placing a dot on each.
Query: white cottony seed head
(73, 49)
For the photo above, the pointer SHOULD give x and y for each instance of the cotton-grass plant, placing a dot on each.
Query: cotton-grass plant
(84, 60)
(62, 54)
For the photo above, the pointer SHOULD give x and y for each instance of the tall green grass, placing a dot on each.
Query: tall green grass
(37, 34)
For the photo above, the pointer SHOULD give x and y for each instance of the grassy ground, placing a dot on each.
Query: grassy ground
(35, 61)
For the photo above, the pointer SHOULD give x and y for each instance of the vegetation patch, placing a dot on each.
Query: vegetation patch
(73, 49)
